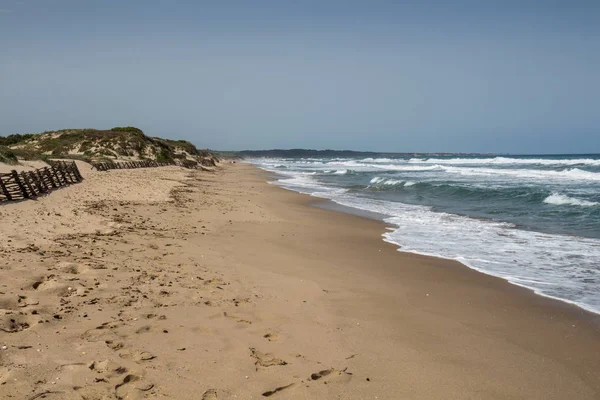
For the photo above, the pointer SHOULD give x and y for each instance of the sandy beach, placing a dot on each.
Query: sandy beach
(178, 284)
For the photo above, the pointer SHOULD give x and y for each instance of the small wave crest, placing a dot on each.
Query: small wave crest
(410, 168)
(379, 160)
(559, 199)
(390, 182)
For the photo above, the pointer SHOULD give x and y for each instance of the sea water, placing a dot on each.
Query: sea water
(532, 220)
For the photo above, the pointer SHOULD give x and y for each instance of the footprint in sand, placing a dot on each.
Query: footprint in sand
(271, 336)
(132, 386)
(141, 356)
(12, 323)
(237, 319)
(71, 268)
(24, 301)
(265, 359)
(105, 333)
(50, 284)
(114, 345)
(210, 394)
(144, 329)
(107, 367)
(332, 374)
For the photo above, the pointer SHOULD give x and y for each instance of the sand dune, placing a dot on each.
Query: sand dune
(22, 166)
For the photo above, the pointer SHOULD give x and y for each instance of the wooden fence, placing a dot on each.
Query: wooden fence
(29, 184)
(105, 166)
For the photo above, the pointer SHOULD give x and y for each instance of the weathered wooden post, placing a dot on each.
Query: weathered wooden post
(15, 176)
(61, 172)
(77, 173)
(4, 189)
(39, 182)
(49, 176)
(26, 178)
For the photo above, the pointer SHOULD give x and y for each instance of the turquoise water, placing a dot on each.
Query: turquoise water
(533, 220)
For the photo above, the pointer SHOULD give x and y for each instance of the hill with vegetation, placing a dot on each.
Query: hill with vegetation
(119, 143)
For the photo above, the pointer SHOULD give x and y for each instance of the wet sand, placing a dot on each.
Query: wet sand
(199, 285)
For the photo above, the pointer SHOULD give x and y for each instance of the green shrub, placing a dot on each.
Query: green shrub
(164, 156)
(11, 140)
(27, 154)
(7, 156)
(85, 146)
(131, 129)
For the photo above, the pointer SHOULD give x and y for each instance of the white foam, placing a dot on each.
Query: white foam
(562, 200)
(565, 175)
(569, 174)
(508, 161)
(350, 163)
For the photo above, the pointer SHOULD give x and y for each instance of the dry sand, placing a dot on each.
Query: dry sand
(166, 283)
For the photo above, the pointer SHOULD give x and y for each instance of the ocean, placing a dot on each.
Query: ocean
(532, 220)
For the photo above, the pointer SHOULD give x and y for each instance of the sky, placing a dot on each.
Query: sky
(424, 76)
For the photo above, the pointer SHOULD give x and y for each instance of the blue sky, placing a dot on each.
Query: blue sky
(434, 75)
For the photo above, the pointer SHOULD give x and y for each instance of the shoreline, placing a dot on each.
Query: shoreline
(539, 305)
(335, 207)
(332, 205)
(188, 285)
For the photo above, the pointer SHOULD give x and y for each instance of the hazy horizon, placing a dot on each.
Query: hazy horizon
(506, 77)
(418, 152)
